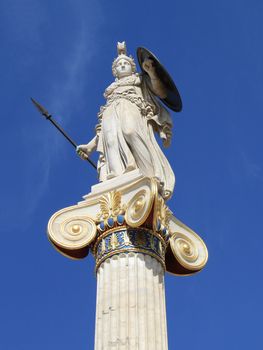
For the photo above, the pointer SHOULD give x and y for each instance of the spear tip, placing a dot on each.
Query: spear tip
(40, 108)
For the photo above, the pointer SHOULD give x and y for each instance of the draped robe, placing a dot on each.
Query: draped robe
(125, 133)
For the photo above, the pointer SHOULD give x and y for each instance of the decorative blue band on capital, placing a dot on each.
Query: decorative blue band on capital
(125, 239)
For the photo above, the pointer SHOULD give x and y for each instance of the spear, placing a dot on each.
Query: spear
(48, 116)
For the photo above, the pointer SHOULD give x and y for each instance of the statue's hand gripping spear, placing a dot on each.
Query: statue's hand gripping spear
(48, 116)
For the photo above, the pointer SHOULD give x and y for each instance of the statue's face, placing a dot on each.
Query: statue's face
(123, 68)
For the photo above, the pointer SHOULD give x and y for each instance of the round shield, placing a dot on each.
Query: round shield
(172, 99)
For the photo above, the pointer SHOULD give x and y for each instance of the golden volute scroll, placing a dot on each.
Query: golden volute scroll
(186, 252)
(71, 236)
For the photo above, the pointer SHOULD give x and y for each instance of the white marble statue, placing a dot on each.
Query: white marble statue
(125, 134)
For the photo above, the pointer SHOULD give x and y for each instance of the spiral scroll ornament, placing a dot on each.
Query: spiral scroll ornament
(73, 233)
(191, 253)
(139, 208)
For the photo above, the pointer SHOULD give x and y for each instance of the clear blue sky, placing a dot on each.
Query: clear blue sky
(60, 52)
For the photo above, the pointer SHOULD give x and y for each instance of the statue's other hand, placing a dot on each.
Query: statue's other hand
(83, 151)
(148, 66)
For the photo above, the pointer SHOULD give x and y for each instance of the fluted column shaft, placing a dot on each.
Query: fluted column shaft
(131, 310)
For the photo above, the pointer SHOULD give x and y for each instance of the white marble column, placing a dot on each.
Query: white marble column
(131, 313)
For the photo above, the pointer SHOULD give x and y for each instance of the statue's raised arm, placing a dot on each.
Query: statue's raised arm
(125, 134)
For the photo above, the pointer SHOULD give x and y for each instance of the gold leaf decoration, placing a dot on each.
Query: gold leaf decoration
(163, 213)
(114, 241)
(110, 205)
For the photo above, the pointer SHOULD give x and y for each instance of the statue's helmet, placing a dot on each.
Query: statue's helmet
(122, 54)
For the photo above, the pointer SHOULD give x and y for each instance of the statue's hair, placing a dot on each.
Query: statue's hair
(125, 57)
